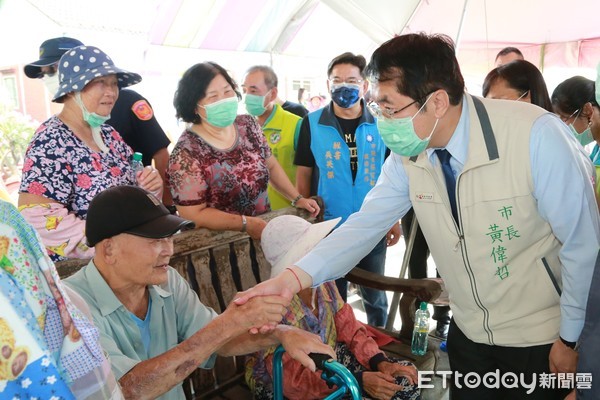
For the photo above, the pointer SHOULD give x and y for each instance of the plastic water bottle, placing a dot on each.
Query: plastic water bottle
(420, 331)
(136, 165)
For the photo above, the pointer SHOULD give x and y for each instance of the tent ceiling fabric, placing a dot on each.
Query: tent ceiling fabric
(328, 27)
(500, 22)
(557, 31)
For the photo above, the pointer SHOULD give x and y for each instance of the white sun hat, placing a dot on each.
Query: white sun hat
(288, 238)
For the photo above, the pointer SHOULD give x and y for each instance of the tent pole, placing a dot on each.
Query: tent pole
(460, 27)
(542, 56)
(394, 306)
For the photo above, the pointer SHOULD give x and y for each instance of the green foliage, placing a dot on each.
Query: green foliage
(16, 131)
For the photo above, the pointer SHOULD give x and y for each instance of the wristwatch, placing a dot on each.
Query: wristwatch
(296, 200)
(571, 345)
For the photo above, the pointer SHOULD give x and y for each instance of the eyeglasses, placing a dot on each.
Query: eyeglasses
(349, 81)
(379, 112)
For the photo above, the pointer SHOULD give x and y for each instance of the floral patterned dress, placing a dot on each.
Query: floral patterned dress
(59, 166)
(233, 180)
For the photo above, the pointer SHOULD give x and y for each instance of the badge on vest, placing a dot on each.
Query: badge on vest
(275, 137)
(428, 197)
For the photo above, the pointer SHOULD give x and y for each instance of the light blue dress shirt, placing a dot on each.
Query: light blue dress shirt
(562, 187)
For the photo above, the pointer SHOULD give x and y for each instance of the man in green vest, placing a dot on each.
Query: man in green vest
(279, 126)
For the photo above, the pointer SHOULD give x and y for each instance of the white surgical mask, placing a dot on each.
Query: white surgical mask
(51, 83)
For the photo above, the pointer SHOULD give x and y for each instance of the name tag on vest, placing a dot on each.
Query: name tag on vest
(428, 197)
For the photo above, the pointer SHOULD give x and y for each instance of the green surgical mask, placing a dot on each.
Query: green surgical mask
(93, 119)
(222, 113)
(255, 105)
(400, 137)
(584, 137)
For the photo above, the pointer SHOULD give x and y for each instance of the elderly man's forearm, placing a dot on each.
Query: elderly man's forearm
(247, 343)
(156, 376)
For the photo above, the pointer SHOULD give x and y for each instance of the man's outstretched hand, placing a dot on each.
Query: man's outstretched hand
(286, 284)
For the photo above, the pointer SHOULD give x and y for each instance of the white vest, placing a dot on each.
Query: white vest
(501, 268)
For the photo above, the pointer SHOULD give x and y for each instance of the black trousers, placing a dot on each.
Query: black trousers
(467, 356)
(417, 265)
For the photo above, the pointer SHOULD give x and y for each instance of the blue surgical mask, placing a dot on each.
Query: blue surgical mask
(400, 137)
(584, 137)
(345, 95)
(93, 119)
(222, 113)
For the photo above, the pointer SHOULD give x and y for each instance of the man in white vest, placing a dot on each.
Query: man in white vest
(506, 206)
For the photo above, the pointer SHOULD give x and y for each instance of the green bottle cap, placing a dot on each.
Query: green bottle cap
(423, 306)
(137, 156)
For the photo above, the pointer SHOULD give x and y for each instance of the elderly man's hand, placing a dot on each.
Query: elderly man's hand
(285, 285)
(299, 343)
(257, 312)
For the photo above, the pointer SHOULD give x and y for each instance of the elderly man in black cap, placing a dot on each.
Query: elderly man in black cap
(152, 325)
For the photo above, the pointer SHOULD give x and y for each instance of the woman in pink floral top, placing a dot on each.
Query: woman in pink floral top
(220, 168)
(73, 155)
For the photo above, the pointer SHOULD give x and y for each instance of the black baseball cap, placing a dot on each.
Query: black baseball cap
(50, 52)
(130, 209)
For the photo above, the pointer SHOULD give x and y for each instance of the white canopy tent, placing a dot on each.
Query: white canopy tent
(161, 38)
(552, 32)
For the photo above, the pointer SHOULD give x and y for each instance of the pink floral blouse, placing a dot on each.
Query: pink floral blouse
(233, 180)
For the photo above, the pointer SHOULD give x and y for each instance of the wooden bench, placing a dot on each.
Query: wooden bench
(218, 265)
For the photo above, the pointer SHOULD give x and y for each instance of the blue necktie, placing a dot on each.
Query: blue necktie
(444, 156)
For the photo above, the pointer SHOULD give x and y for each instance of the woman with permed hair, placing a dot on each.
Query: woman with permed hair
(219, 169)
